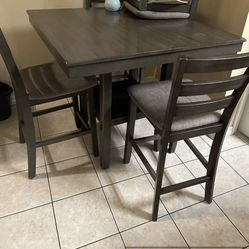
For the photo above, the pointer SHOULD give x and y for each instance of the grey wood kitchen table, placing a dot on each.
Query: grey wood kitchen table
(97, 42)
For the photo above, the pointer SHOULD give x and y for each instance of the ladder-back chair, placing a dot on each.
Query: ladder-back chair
(182, 110)
(42, 84)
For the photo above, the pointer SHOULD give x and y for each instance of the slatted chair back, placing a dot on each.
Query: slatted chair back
(11, 66)
(178, 108)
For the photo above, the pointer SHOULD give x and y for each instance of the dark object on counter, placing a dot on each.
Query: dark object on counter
(175, 6)
(5, 107)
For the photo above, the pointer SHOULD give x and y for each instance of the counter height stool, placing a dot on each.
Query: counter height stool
(181, 110)
(42, 84)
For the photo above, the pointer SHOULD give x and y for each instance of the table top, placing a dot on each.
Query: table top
(79, 37)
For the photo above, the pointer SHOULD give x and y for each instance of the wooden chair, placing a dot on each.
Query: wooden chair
(181, 110)
(42, 84)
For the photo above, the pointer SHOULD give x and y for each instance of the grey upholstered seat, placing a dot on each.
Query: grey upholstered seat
(152, 99)
(48, 82)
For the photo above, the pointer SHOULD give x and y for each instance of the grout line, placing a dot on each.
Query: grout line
(246, 143)
(169, 215)
(19, 171)
(132, 153)
(179, 230)
(64, 160)
(234, 148)
(233, 168)
(231, 221)
(9, 143)
(109, 236)
(205, 140)
(55, 222)
(114, 183)
(191, 205)
(74, 195)
(107, 202)
(229, 191)
(25, 210)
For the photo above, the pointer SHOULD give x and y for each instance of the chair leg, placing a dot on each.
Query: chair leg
(92, 119)
(21, 136)
(130, 131)
(20, 124)
(172, 147)
(212, 165)
(76, 109)
(156, 145)
(159, 177)
(29, 135)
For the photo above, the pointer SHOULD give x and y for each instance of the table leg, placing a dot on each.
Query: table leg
(105, 119)
(83, 107)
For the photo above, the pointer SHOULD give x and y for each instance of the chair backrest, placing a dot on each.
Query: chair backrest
(182, 88)
(16, 79)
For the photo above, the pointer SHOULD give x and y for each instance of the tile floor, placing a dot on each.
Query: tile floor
(72, 203)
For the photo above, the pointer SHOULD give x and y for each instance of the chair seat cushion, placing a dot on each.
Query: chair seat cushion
(152, 99)
(47, 82)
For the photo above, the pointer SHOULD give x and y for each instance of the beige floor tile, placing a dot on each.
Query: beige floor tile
(33, 229)
(142, 128)
(185, 153)
(56, 122)
(231, 141)
(83, 219)
(162, 233)
(65, 150)
(131, 202)
(113, 242)
(9, 131)
(152, 156)
(18, 193)
(238, 158)
(226, 179)
(13, 158)
(204, 225)
(72, 177)
(118, 171)
(236, 206)
(182, 198)
(116, 139)
(51, 104)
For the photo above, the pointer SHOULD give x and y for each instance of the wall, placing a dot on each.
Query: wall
(229, 15)
(28, 49)
(242, 115)
(26, 46)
